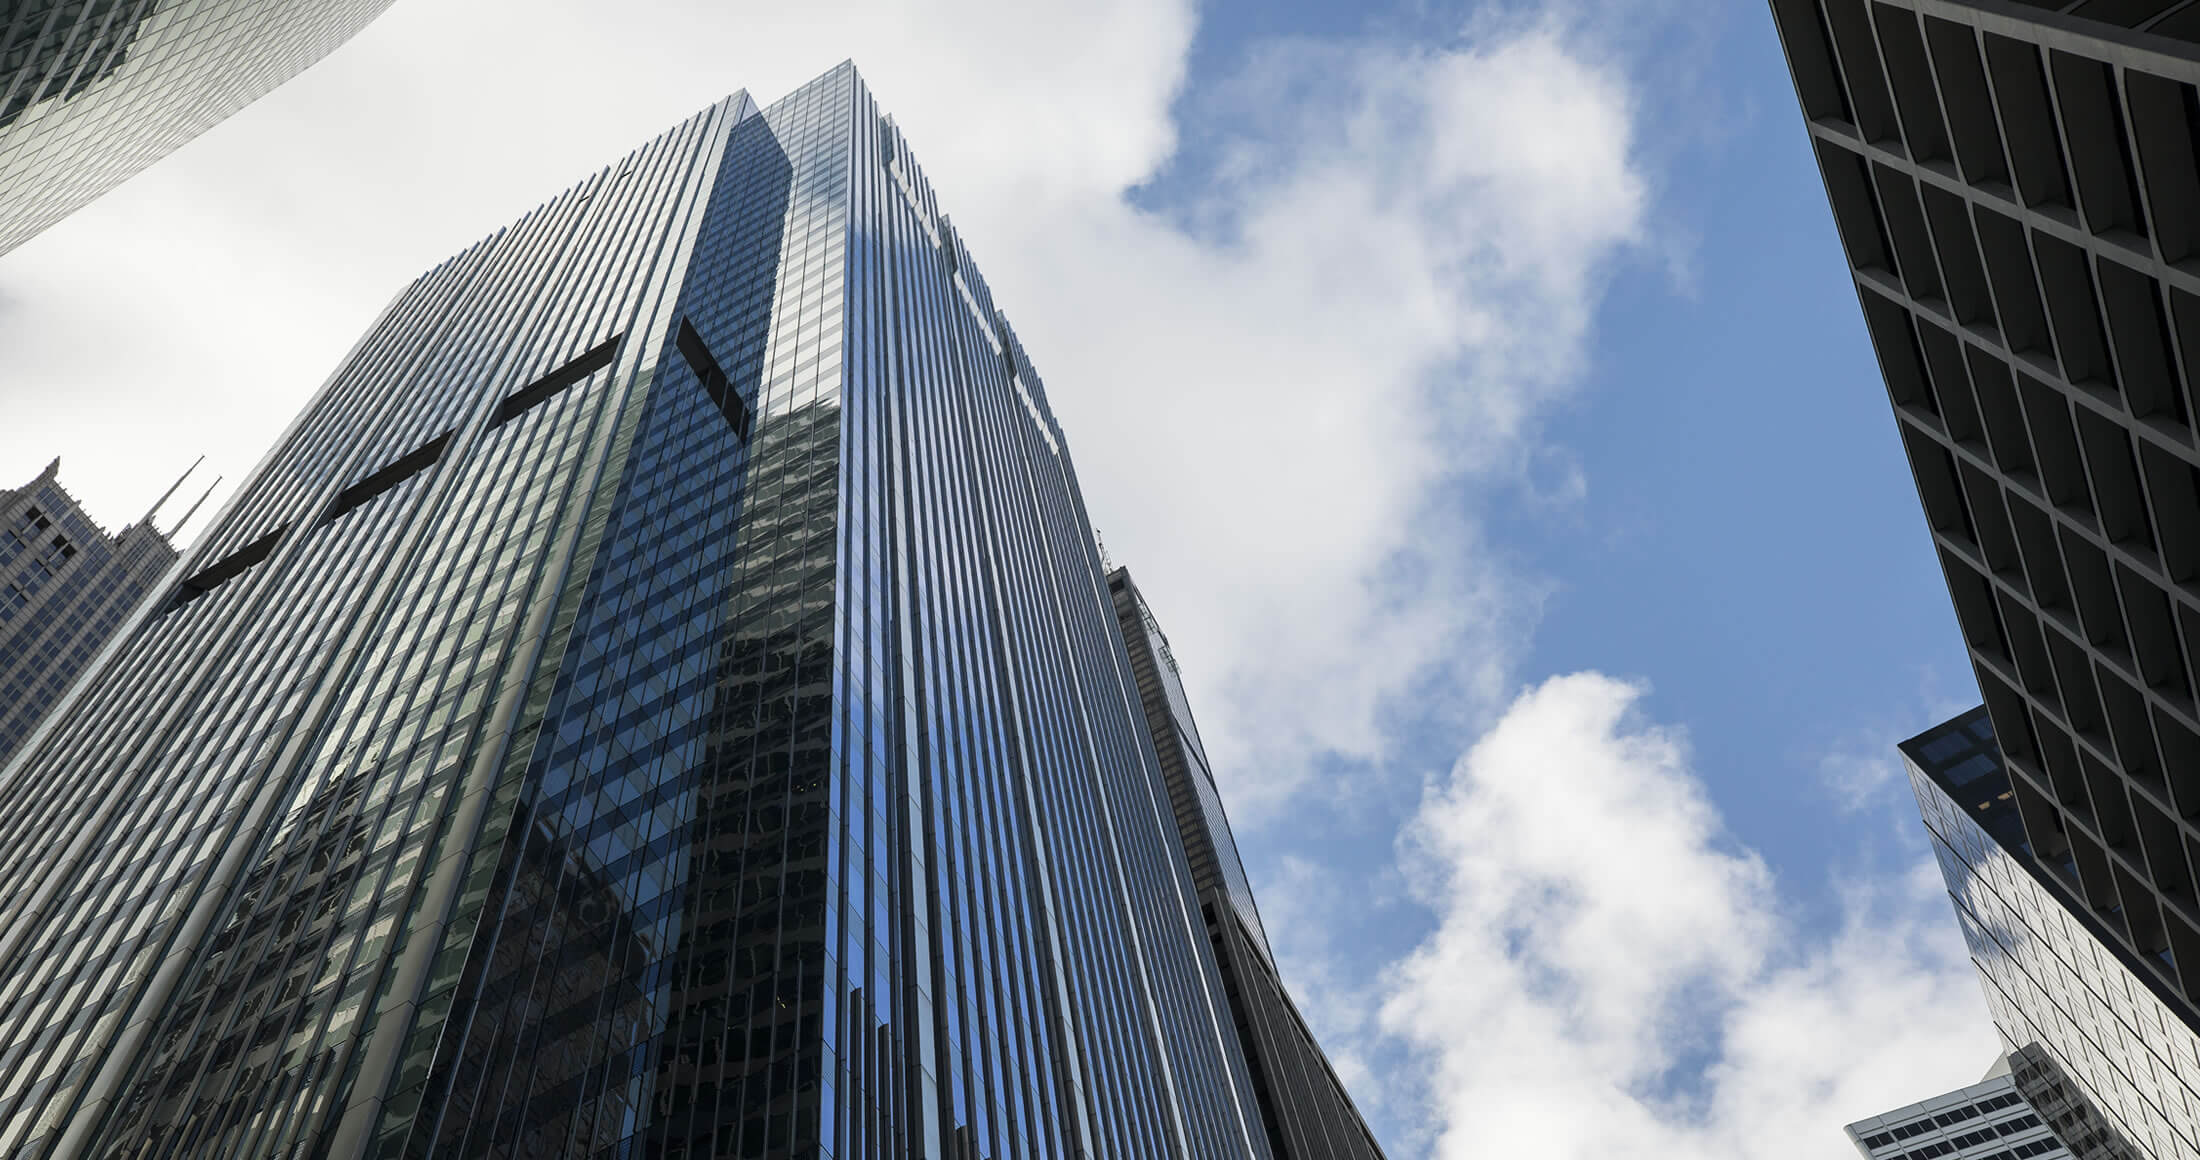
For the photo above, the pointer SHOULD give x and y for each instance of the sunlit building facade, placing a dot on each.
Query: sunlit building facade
(93, 91)
(1989, 1120)
(2101, 1054)
(662, 697)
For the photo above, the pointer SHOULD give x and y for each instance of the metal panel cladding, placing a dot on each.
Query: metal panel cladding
(92, 91)
(660, 699)
(2017, 188)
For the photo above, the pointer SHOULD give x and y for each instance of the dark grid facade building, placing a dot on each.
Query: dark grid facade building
(66, 586)
(2018, 191)
(1989, 1120)
(1304, 1107)
(92, 91)
(2102, 1055)
(664, 700)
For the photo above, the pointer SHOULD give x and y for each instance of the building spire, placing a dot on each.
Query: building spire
(195, 507)
(148, 520)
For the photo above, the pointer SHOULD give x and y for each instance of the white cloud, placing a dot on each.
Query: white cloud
(1285, 398)
(1271, 411)
(1391, 279)
(1863, 770)
(197, 307)
(1611, 976)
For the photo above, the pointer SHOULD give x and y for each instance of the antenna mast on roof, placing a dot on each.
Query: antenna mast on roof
(195, 507)
(158, 503)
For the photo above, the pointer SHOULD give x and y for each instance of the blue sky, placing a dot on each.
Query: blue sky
(1475, 388)
(1721, 510)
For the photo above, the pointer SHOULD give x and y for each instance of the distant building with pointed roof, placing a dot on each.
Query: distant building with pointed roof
(66, 586)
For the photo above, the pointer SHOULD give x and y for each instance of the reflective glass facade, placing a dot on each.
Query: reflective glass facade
(1200, 819)
(2101, 1055)
(92, 91)
(1304, 1107)
(66, 586)
(661, 698)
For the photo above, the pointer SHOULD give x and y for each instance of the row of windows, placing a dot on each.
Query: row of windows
(1949, 1117)
(2040, 1147)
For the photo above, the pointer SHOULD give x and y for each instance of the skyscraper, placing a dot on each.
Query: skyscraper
(2018, 192)
(1988, 1120)
(92, 91)
(1304, 1107)
(661, 697)
(2102, 1054)
(66, 586)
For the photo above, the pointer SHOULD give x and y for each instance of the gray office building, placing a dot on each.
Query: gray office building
(93, 91)
(66, 586)
(1989, 1120)
(1304, 1107)
(661, 698)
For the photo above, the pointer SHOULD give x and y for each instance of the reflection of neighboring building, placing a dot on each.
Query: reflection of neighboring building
(2104, 1057)
(65, 586)
(661, 698)
(1989, 1120)
(93, 91)
(37, 65)
(1303, 1105)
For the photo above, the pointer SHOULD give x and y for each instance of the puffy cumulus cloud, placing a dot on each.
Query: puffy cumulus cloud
(1279, 406)
(1611, 976)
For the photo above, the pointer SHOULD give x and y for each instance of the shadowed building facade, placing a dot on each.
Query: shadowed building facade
(93, 91)
(2017, 188)
(1304, 1107)
(660, 698)
(66, 586)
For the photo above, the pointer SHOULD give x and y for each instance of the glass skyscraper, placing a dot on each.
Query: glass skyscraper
(92, 91)
(661, 698)
(2101, 1052)
(1304, 1107)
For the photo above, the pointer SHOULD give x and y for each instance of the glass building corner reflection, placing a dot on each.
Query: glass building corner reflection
(2100, 1048)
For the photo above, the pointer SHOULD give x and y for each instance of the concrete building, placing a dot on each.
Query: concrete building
(66, 586)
